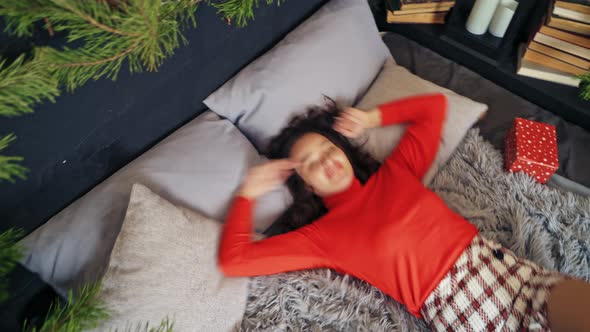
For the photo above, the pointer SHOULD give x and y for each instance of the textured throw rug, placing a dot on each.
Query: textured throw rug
(545, 225)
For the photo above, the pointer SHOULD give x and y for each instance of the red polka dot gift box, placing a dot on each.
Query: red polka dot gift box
(531, 147)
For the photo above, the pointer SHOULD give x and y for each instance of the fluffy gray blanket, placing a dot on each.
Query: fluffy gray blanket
(546, 225)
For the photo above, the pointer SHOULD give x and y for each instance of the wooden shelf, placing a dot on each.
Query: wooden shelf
(560, 99)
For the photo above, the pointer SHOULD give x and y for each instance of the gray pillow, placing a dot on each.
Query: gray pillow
(164, 264)
(396, 82)
(336, 52)
(199, 166)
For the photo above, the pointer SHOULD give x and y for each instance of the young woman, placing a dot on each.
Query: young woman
(380, 224)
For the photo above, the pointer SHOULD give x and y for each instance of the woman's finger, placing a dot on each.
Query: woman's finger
(348, 129)
(337, 126)
(354, 113)
(346, 132)
(343, 121)
(356, 131)
(284, 177)
(348, 124)
(341, 130)
(286, 173)
(352, 117)
(284, 164)
(354, 127)
(281, 177)
(344, 117)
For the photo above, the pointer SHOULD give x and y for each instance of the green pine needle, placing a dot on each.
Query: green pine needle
(240, 11)
(86, 311)
(19, 16)
(10, 254)
(9, 167)
(142, 32)
(24, 84)
(82, 312)
(585, 86)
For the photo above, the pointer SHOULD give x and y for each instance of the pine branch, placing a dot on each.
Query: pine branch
(73, 68)
(240, 11)
(143, 32)
(24, 84)
(19, 16)
(182, 11)
(86, 311)
(103, 54)
(9, 169)
(585, 86)
(83, 312)
(10, 254)
(101, 8)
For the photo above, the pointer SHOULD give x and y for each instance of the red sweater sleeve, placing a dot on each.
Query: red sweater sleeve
(424, 115)
(239, 255)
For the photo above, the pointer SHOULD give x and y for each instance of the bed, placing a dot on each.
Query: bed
(92, 145)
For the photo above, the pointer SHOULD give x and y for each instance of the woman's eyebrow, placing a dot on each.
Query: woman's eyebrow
(305, 158)
(307, 155)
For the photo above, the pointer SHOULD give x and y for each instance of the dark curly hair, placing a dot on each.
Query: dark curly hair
(307, 206)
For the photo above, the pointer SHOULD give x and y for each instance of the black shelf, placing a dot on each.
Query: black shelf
(561, 100)
(498, 49)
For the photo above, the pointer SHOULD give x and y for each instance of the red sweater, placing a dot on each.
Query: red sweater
(392, 232)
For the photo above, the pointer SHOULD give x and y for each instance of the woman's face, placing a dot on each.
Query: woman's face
(324, 166)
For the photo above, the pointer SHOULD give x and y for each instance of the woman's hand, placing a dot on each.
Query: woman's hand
(265, 177)
(353, 122)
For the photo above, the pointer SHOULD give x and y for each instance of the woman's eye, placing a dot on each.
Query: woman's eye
(330, 150)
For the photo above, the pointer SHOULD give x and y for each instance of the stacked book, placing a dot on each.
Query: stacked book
(418, 11)
(570, 15)
(560, 50)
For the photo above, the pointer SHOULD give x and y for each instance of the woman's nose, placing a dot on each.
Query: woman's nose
(325, 161)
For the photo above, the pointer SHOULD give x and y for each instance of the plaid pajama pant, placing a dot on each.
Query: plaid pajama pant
(490, 289)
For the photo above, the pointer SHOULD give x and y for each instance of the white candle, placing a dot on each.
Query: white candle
(481, 15)
(502, 17)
